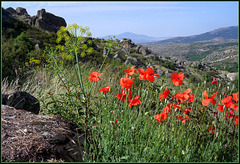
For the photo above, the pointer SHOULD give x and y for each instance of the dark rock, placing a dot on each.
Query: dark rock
(118, 56)
(51, 18)
(27, 137)
(21, 11)
(144, 51)
(22, 100)
(45, 26)
(11, 10)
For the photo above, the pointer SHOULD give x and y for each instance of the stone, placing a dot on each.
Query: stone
(37, 47)
(118, 56)
(22, 100)
(232, 76)
(144, 51)
(127, 43)
(11, 10)
(21, 11)
(27, 137)
(48, 21)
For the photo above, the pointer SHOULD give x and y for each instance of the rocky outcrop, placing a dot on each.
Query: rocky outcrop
(11, 10)
(21, 100)
(43, 20)
(48, 21)
(128, 44)
(27, 137)
(21, 11)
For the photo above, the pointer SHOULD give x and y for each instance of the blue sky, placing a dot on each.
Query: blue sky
(157, 18)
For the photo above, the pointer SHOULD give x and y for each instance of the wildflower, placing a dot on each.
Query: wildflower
(116, 134)
(214, 81)
(177, 78)
(235, 107)
(207, 99)
(235, 96)
(126, 83)
(187, 110)
(115, 121)
(94, 76)
(141, 72)
(183, 96)
(220, 107)
(105, 89)
(134, 101)
(226, 100)
(149, 74)
(236, 120)
(161, 117)
(130, 71)
(176, 106)
(191, 98)
(183, 118)
(125, 95)
(165, 94)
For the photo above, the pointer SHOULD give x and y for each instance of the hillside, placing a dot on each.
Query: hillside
(136, 38)
(218, 34)
(25, 47)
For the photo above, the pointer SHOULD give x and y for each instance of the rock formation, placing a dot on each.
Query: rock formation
(43, 20)
(21, 100)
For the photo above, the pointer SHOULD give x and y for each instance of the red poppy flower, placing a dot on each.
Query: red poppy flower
(131, 70)
(94, 76)
(141, 72)
(149, 74)
(236, 107)
(125, 95)
(165, 94)
(187, 110)
(161, 117)
(235, 96)
(230, 105)
(126, 83)
(207, 99)
(177, 78)
(220, 107)
(134, 101)
(183, 118)
(191, 98)
(226, 100)
(236, 120)
(214, 81)
(105, 89)
(115, 121)
(176, 106)
(183, 96)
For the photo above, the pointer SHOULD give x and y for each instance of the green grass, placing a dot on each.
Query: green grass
(140, 137)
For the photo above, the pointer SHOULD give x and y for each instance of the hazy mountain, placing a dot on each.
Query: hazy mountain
(218, 34)
(136, 38)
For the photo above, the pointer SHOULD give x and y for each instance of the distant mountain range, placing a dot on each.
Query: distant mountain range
(136, 38)
(218, 34)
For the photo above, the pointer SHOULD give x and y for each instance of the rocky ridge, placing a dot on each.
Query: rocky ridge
(43, 20)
